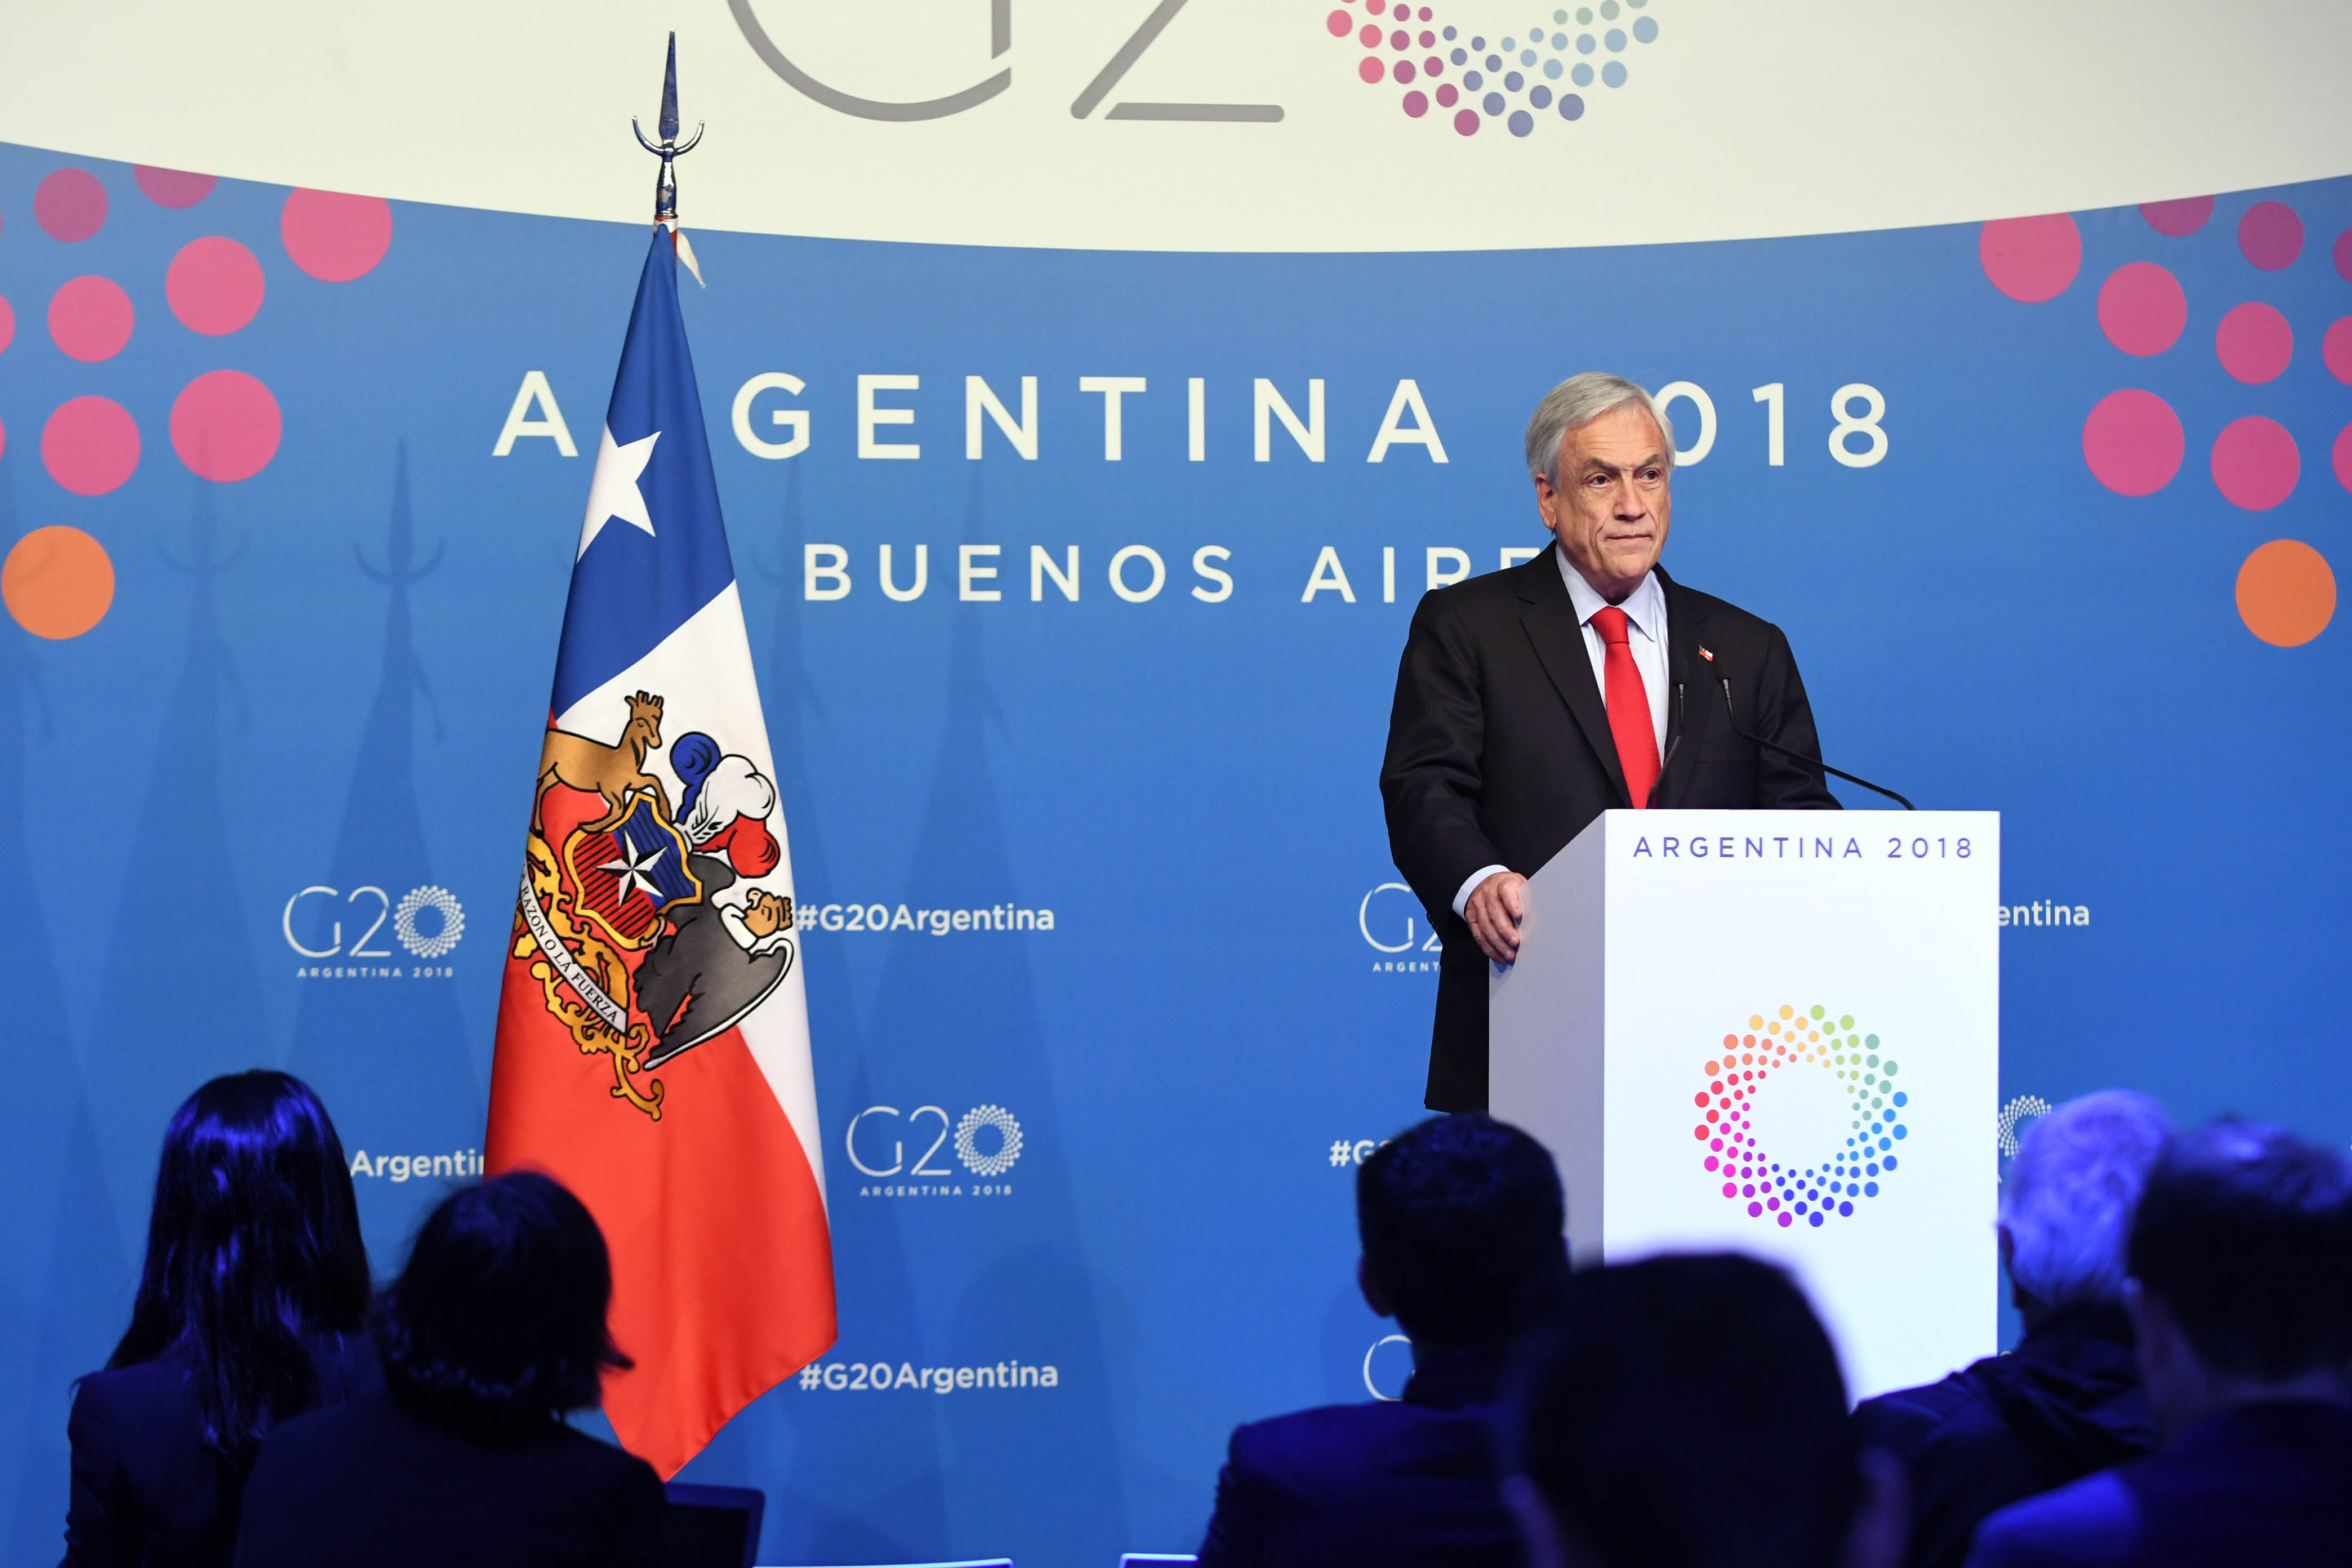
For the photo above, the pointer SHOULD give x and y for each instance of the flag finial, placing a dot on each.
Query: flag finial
(668, 148)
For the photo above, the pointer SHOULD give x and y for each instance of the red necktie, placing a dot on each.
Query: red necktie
(1629, 707)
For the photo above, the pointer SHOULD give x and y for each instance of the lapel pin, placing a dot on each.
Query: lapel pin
(1707, 654)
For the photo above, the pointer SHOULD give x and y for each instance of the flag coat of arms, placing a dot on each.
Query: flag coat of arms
(653, 1049)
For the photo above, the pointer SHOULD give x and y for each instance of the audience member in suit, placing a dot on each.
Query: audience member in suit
(1688, 1412)
(250, 1310)
(2067, 1401)
(1461, 1222)
(2240, 1300)
(492, 1333)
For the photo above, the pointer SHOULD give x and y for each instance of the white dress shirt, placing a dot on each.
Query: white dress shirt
(1645, 638)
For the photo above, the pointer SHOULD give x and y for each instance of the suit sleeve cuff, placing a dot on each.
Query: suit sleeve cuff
(1462, 899)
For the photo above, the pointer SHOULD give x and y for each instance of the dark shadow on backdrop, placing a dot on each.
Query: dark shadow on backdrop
(956, 1018)
(180, 997)
(59, 1223)
(388, 1053)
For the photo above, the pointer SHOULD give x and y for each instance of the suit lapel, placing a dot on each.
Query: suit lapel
(1692, 681)
(1549, 617)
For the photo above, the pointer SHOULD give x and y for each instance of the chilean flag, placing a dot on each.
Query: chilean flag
(652, 1046)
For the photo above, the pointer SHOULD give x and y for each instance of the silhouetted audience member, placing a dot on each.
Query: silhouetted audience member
(493, 1332)
(1688, 1412)
(2240, 1299)
(251, 1307)
(2067, 1401)
(1461, 1222)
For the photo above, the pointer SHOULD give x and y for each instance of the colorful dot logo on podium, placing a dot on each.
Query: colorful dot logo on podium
(1840, 1182)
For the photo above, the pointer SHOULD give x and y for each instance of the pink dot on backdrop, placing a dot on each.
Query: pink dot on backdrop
(7, 324)
(2334, 349)
(2142, 309)
(173, 188)
(2255, 343)
(2030, 258)
(1447, 96)
(215, 286)
(1416, 104)
(4, 438)
(1371, 70)
(1340, 24)
(90, 445)
(70, 204)
(2178, 218)
(2271, 235)
(335, 237)
(225, 425)
(1466, 123)
(2344, 255)
(2133, 442)
(90, 317)
(1370, 37)
(2255, 464)
(2343, 456)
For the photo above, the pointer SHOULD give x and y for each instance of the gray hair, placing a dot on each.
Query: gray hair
(1579, 401)
(2070, 1192)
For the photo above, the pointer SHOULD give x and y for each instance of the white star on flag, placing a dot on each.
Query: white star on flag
(633, 870)
(613, 492)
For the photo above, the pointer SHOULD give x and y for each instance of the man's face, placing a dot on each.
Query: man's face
(1611, 507)
(763, 913)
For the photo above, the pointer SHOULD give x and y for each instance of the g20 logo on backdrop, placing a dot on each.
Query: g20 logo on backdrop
(986, 86)
(1782, 1191)
(1390, 920)
(986, 1141)
(427, 920)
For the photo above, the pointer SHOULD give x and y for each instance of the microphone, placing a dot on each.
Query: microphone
(1799, 756)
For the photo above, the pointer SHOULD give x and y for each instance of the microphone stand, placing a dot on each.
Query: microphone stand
(1799, 756)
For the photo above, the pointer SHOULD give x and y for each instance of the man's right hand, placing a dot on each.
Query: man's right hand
(1494, 913)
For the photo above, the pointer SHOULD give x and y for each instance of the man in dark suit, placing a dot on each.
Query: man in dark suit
(2067, 1401)
(1460, 1220)
(1530, 701)
(2240, 1300)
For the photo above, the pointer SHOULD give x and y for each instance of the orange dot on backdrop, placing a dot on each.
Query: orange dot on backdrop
(57, 582)
(2286, 595)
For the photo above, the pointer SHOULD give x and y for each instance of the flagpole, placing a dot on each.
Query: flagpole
(670, 149)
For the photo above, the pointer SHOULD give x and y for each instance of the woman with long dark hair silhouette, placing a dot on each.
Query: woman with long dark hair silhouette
(493, 1333)
(252, 1308)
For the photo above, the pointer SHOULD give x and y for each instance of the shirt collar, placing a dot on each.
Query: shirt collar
(1645, 606)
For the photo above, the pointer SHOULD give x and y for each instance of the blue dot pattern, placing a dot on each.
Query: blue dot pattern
(1614, 73)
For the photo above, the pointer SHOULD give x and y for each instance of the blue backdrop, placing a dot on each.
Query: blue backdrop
(332, 676)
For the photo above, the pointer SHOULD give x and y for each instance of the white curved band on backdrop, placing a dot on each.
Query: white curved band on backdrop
(1736, 121)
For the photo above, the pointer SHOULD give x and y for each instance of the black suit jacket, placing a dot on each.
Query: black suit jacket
(2061, 1406)
(2255, 1486)
(367, 1485)
(1410, 1482)
(146, 1489)
(1499, 754)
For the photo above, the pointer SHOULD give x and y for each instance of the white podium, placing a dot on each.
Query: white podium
(1775, 1033)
